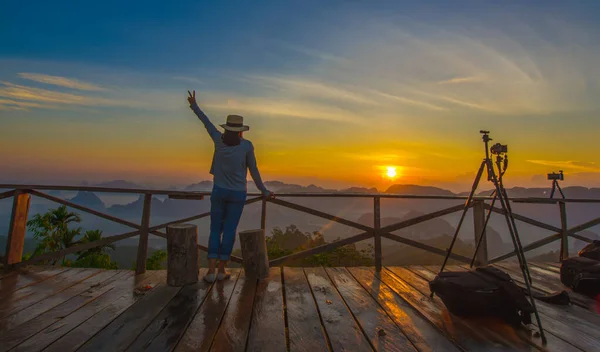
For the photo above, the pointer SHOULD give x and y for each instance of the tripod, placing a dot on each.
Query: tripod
(555, 186)
(500, 194)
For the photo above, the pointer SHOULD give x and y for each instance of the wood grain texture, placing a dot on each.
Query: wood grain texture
(555, 343)
(344, 332)
(163, 333)
(122, 331)
(369, 314)
(20, 333)
(129, 294)
(418, 329)
(204, 325)
(233, 331)
(304, 324)
(267, 327)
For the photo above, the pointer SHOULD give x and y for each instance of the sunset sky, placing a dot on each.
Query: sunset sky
(335, 92)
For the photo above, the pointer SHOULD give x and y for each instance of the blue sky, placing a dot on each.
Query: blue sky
(401, 83)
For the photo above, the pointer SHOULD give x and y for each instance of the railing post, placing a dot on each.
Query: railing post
(143, 243)
(479, 228)
(17, 228)
(564, 242)
(263, 215)
(377, 234)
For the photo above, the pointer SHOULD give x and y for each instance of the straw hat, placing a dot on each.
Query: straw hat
(235, 123)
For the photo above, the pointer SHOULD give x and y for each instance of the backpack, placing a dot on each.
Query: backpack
(592, 250)
(483, 292)
(582, 275)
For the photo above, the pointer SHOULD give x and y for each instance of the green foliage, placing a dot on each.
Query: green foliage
(93, 236)
(52, 231)
(155, 261)
(293, 240)
(94, 260)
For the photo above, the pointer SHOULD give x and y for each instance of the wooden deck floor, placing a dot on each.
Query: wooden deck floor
(296, 309)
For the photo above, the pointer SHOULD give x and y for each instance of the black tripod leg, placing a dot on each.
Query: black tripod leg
(523, 260)
(553, 188)
(520, 253)
(487, 219)
(464, 213)
(560, 190)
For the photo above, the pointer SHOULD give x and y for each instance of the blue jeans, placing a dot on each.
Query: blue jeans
(226, 208)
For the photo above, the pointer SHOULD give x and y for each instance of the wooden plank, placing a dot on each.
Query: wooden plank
(377, 233)
(555, 343)
(187, 196)
(321, 248)
(203, 327)
(28, 296)
(304, 324)
(369, 314)
(425, 247)
(169, 326)
(86, 209)
(17, 228)
(344, 333)
(233, 331)
(142, 252)
(267, 326)
(419, 219)
(479, 224)
(20, 333)
(545, 283)
(76, 248)
(320, 214)
(470, 334)
(525, 219)
(75, 338)
(418, 329)
(529, 247)
(547, 267)
(192, 218)
(31, 311)
(562, 322)
(7, 194)
(564, 243)
(65, 324)
(20, 280)
(122, 331)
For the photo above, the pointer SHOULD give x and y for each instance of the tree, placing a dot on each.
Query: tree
(154, 261)
(282, 243)
(93, 236)
(52, 231)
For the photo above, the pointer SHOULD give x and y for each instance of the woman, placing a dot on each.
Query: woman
(232, 158)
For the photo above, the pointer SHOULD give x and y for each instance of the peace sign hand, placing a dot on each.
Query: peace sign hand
(192, 98)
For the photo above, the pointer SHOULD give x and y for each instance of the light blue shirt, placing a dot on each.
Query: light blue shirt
(230, 164)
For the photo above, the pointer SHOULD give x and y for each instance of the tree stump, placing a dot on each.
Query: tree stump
(182, 249)
(254, 254)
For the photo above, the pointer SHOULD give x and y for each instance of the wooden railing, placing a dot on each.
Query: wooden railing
(21, 199)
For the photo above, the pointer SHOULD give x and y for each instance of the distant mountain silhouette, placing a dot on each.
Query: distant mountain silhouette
(418, 190)
(120, 184)
(88, 199)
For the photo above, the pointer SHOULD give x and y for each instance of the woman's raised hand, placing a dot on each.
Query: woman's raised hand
(192, 98)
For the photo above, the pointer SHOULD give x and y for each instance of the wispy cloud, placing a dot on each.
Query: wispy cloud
(188, 79)
(568, 164)
(61, 81)
(459, 80)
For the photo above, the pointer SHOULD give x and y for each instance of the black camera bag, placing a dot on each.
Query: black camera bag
(582, 275)
(483, 292)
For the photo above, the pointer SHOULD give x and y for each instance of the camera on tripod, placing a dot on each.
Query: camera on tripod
(499, 148)
(556, 176)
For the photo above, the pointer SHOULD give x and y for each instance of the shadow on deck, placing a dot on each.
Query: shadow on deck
(311, 309)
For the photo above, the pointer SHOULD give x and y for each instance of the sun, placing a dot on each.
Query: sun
(391, 172)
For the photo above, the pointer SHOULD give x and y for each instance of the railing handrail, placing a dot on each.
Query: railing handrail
(336, 194)
(376, 231)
